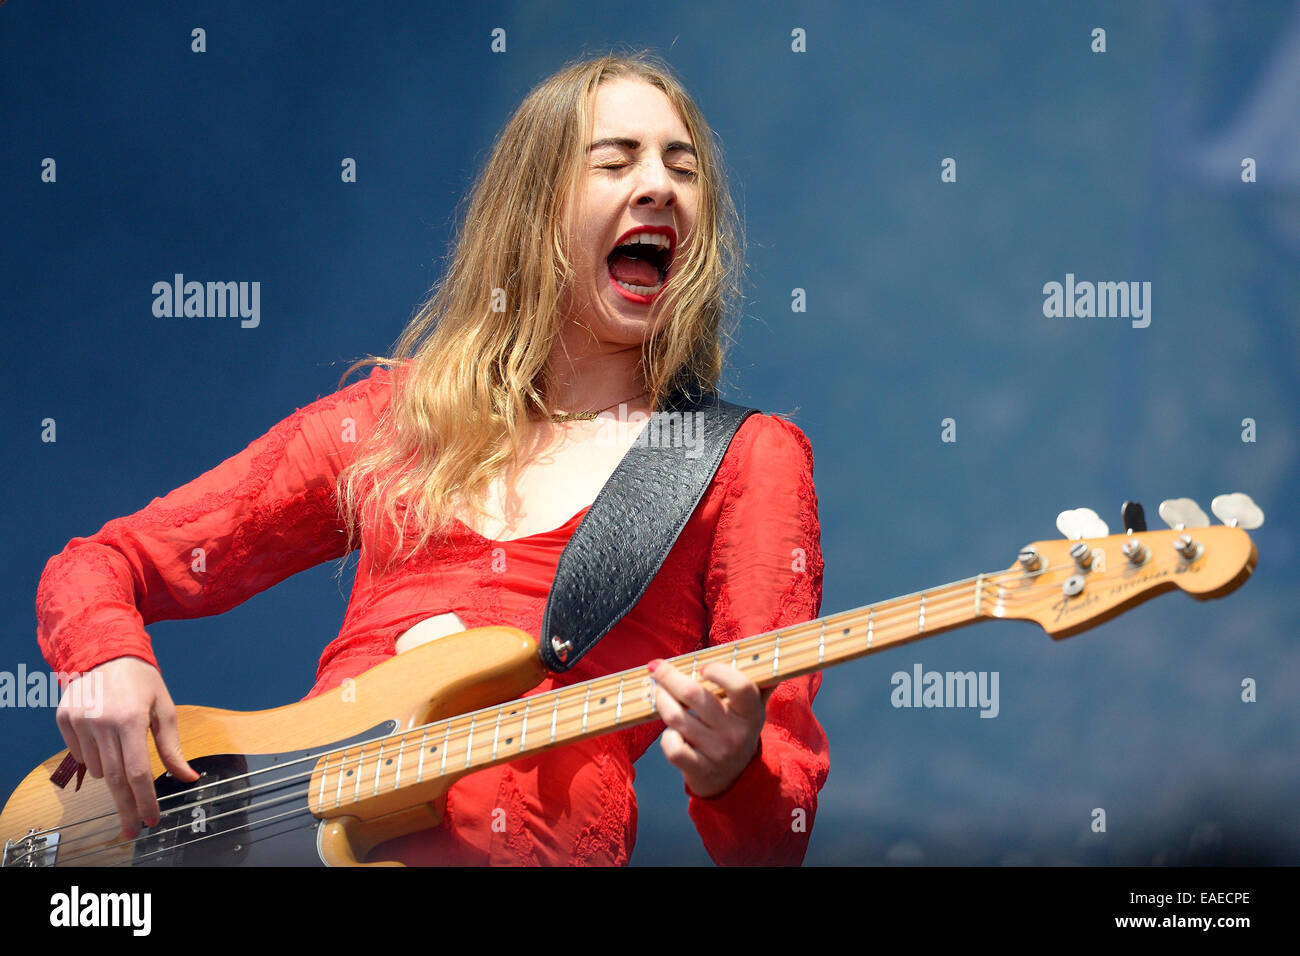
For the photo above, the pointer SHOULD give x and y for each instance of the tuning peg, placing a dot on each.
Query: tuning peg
(1132, 517)
(1237, 511)
(1081, 523)
(1181, 513)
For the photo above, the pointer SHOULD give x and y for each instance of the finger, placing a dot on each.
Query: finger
(681, 754)
(64, 721)
(166, 735)
(115, 779)
(691, 693)
(686, 724)
(139, 773)
(743, 695)
(90, 754)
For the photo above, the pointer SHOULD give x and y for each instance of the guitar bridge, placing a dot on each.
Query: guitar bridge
(31, 850)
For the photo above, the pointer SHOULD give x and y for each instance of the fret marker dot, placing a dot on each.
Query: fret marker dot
(602, 700)
(433, 750)
(508, 739)
(755, 657)
(349, 773)
(846, 630)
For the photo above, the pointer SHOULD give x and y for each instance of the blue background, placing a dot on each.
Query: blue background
(924, 302)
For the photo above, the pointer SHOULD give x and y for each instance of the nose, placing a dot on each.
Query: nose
(654, 187)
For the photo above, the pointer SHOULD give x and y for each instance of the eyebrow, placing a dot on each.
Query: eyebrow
(624, 142)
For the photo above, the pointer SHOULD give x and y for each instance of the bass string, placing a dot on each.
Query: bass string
(937, 599)
(796, 648)
(472, 716)
(607, 683)
(305, 794)
(99, 851)
(804, 643)
(278, 816)
(570, 721)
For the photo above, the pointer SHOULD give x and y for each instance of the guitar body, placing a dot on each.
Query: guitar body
(275, 826)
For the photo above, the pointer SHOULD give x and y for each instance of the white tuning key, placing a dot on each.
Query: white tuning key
(1081, 523)
(1237, 510)
(1180, 513)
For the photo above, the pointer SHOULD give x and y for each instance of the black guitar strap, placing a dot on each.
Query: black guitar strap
(624, 538)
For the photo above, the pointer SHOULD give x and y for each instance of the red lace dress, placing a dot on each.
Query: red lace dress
(748, 561)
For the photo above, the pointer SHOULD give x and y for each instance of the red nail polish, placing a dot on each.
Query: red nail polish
(654, 664)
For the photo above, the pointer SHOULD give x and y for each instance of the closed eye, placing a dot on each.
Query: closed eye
(688, 173)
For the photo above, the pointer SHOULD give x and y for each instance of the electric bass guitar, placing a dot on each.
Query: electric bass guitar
(323, 781)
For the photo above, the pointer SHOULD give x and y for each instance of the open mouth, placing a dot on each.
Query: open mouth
(641, 262)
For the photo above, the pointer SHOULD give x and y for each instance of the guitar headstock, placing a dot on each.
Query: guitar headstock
(1073, 583)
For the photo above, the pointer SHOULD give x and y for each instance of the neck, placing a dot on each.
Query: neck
(591, 375)
(427, 756)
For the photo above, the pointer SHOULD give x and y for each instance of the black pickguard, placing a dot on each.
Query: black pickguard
(262, 820)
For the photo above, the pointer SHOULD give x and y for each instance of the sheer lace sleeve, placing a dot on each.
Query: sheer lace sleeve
(766, 572)
(247, 524)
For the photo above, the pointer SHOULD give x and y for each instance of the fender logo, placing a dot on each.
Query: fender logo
(1069, 605)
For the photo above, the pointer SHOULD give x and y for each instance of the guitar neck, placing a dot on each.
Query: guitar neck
(453, 747)
(1066, 586)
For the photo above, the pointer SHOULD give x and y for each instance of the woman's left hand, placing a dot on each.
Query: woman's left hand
(710, 740)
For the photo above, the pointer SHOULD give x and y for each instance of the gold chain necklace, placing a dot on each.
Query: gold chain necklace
(588, 416)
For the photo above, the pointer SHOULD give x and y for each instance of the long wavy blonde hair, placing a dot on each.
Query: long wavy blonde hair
(472, 374)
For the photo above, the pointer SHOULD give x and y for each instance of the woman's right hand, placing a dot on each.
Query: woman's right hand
(106, 725)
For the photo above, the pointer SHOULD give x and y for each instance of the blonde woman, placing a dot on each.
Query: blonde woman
(594, 268)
